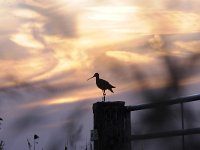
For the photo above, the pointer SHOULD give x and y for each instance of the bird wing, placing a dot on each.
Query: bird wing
(105, 84)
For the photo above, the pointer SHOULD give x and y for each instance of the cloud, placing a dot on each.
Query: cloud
(27, 121)
(130, 57)
(190, 46)
(9, 22)
(57, 23)
(186, 5)
(12, 51)
(56, 90)
(26, 40)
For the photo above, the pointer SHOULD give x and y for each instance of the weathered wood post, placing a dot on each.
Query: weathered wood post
(112, 125)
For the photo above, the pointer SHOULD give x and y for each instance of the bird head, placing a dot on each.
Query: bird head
(95, 75)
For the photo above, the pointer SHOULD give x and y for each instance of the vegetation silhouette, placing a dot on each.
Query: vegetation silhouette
(2, 143)
(29, 144)
(0, 122)
(35, 137)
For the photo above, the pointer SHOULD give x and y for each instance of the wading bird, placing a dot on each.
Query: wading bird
(102, 84)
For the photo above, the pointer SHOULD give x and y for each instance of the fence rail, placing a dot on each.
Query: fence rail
(164, 103)
(166, 134)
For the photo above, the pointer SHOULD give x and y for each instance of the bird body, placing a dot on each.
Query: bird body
(103, 84)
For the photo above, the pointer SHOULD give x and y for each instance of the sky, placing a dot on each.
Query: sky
(48, 49)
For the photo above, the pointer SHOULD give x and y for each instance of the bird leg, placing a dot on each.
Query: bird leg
(104, 96)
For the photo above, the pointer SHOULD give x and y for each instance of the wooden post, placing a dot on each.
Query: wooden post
(112, 126)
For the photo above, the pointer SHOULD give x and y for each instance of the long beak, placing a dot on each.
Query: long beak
(90, 78)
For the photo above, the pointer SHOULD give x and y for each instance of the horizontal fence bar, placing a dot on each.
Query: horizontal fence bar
(164, 103)
(166, 134)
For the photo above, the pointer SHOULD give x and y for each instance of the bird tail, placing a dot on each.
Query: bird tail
(111, 89)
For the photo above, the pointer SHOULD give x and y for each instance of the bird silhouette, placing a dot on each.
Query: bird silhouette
(103, 85)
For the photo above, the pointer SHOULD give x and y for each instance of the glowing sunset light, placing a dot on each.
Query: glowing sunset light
(99, 23)
(111, 13)
(61, 101)
(116, 21)
(26, 13)
(58, 101)
(130, 57)
(26, 40)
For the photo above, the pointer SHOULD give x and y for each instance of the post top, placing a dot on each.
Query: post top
(108, 104)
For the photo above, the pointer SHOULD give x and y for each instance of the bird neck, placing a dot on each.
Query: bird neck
(97, 77)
